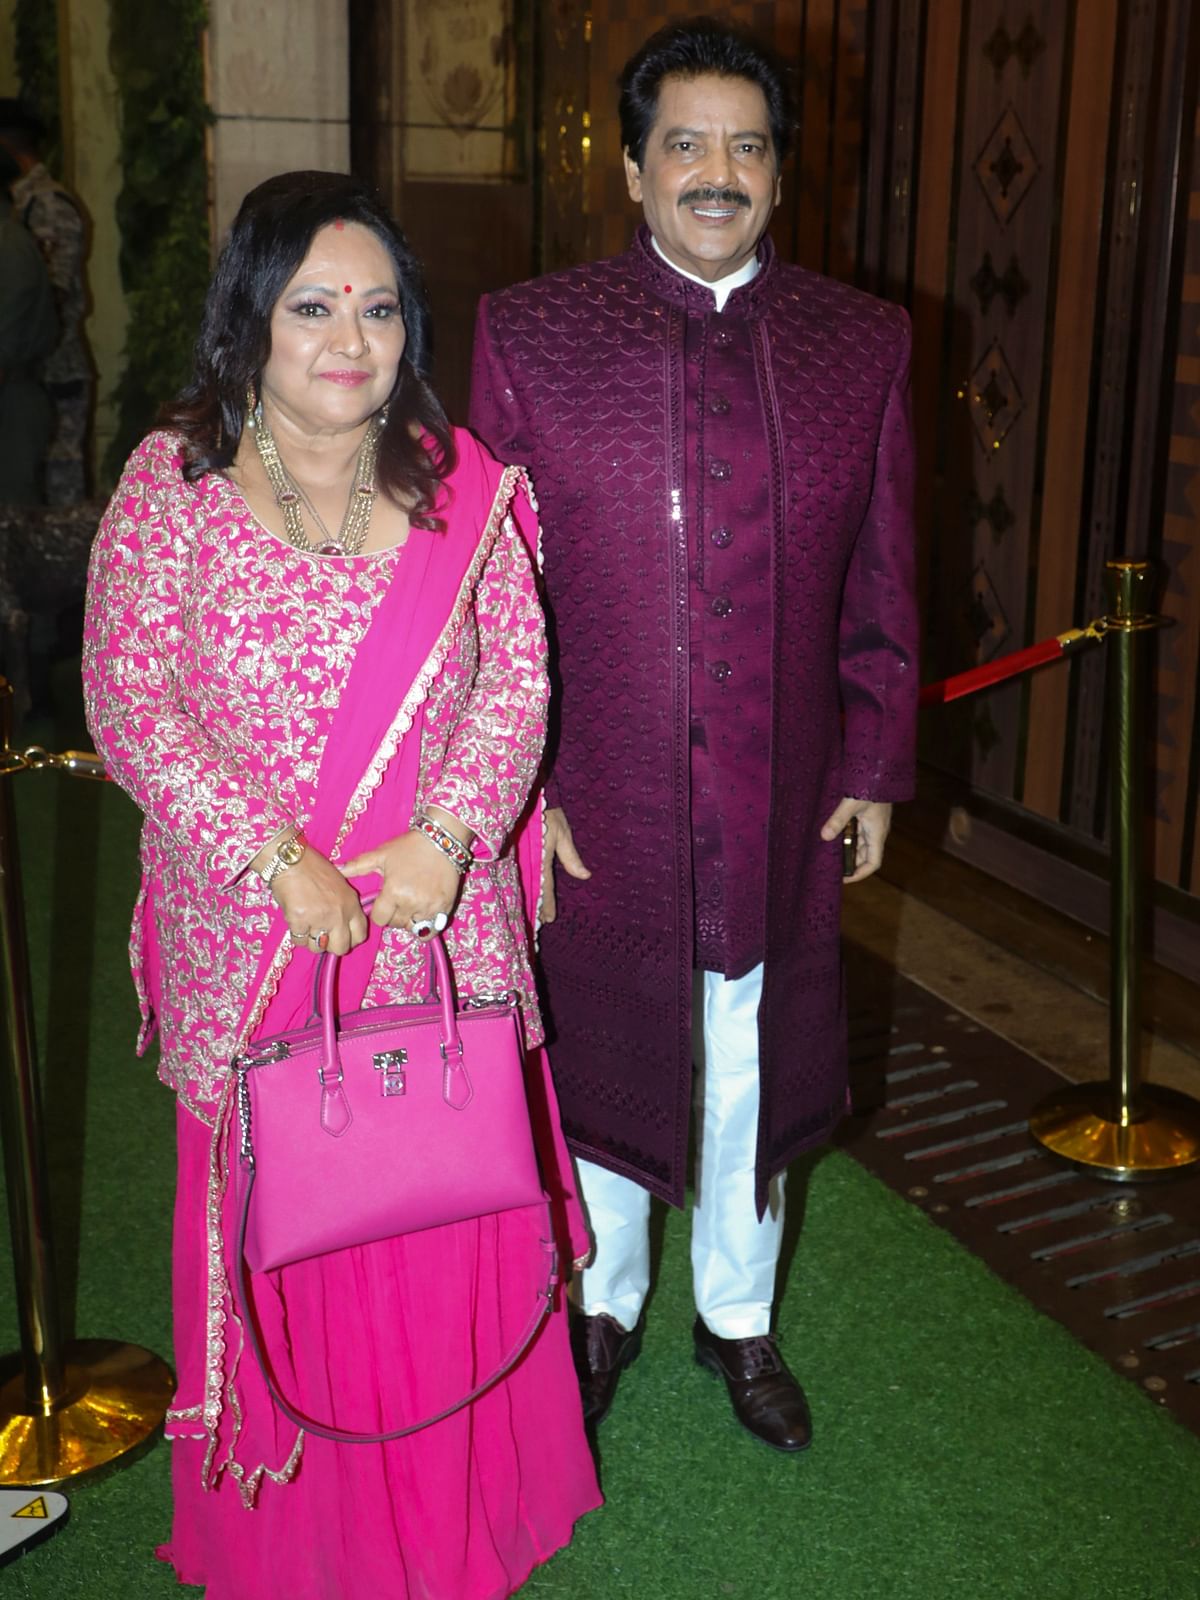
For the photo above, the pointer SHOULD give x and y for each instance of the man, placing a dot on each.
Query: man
(55, 220)
(721, 447)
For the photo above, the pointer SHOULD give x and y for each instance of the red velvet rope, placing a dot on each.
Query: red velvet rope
(1037, 655)
(87, 764)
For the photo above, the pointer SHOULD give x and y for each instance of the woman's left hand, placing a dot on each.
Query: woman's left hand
(418, 881)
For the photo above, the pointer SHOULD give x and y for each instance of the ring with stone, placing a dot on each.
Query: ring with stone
(321, 938)
(422, 926)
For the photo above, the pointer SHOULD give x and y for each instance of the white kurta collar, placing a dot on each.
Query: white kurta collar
(722, 288)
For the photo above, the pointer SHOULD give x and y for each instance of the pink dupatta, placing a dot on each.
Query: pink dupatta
(368, 779)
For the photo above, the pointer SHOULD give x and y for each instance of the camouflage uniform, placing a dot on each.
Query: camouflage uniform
(56, 222)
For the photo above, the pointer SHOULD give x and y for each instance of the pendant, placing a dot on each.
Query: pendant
(353, 532)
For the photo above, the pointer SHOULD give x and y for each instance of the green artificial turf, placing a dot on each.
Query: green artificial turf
(965, 1446)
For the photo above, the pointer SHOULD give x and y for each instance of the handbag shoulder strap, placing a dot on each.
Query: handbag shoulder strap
(543, 1302)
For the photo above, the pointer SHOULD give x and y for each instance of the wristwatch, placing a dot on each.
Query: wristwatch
(287, 855)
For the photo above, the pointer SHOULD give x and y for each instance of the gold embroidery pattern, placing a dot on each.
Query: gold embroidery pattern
(207, 639)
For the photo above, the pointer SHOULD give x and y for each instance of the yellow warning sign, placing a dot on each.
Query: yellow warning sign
(35, 1508)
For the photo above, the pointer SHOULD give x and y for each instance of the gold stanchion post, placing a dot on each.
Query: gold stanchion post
(66, 1410)
(1124, 1129)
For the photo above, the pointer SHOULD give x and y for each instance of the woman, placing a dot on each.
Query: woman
(312, 634)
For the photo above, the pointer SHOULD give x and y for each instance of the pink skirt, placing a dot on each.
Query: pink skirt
(370, 1339)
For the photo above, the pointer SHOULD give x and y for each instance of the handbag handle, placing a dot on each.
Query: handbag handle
(435, 985)
(457, 1090)
(323, 1430)
(442, 990)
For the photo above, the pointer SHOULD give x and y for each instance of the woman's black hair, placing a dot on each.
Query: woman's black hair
(693, 50)
(270, 237)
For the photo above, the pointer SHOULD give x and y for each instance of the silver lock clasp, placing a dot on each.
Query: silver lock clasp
(390, 1064)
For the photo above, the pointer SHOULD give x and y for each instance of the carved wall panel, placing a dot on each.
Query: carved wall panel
(1029, 169)
(1001, 236)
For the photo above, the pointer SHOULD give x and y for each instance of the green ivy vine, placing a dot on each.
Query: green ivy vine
(162, 210)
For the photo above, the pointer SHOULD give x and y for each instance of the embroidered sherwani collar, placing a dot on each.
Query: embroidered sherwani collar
(721, 288)
(696, 299)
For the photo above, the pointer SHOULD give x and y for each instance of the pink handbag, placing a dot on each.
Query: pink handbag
(386, 1121)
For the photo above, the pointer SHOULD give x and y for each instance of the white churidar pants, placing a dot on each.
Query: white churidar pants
(734, 1256)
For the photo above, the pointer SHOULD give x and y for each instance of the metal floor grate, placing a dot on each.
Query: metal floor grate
(942, 1118)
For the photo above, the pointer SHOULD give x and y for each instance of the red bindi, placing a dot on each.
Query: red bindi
(339, 224)
(346, 289)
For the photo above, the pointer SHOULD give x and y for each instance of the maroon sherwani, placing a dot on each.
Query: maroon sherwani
(726, 503)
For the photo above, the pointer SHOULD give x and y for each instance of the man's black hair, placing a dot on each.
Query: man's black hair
(695, 49)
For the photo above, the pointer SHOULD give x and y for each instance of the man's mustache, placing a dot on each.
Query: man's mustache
(725, 197)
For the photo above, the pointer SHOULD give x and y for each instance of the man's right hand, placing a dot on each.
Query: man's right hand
(558, 846)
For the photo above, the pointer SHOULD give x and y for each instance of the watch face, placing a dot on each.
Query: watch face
(291, 852)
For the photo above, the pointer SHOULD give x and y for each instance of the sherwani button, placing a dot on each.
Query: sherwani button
(722, 537)
(719, 405)
(722, 606)
(721, 671)
(722, 471)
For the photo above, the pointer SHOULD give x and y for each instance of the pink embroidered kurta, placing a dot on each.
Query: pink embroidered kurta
(233, 686)
(209, 640)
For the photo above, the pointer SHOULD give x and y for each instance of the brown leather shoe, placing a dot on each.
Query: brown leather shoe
(602, 1350)
(767, 1400)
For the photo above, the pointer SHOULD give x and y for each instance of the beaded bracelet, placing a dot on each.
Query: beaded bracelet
(453, 849)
